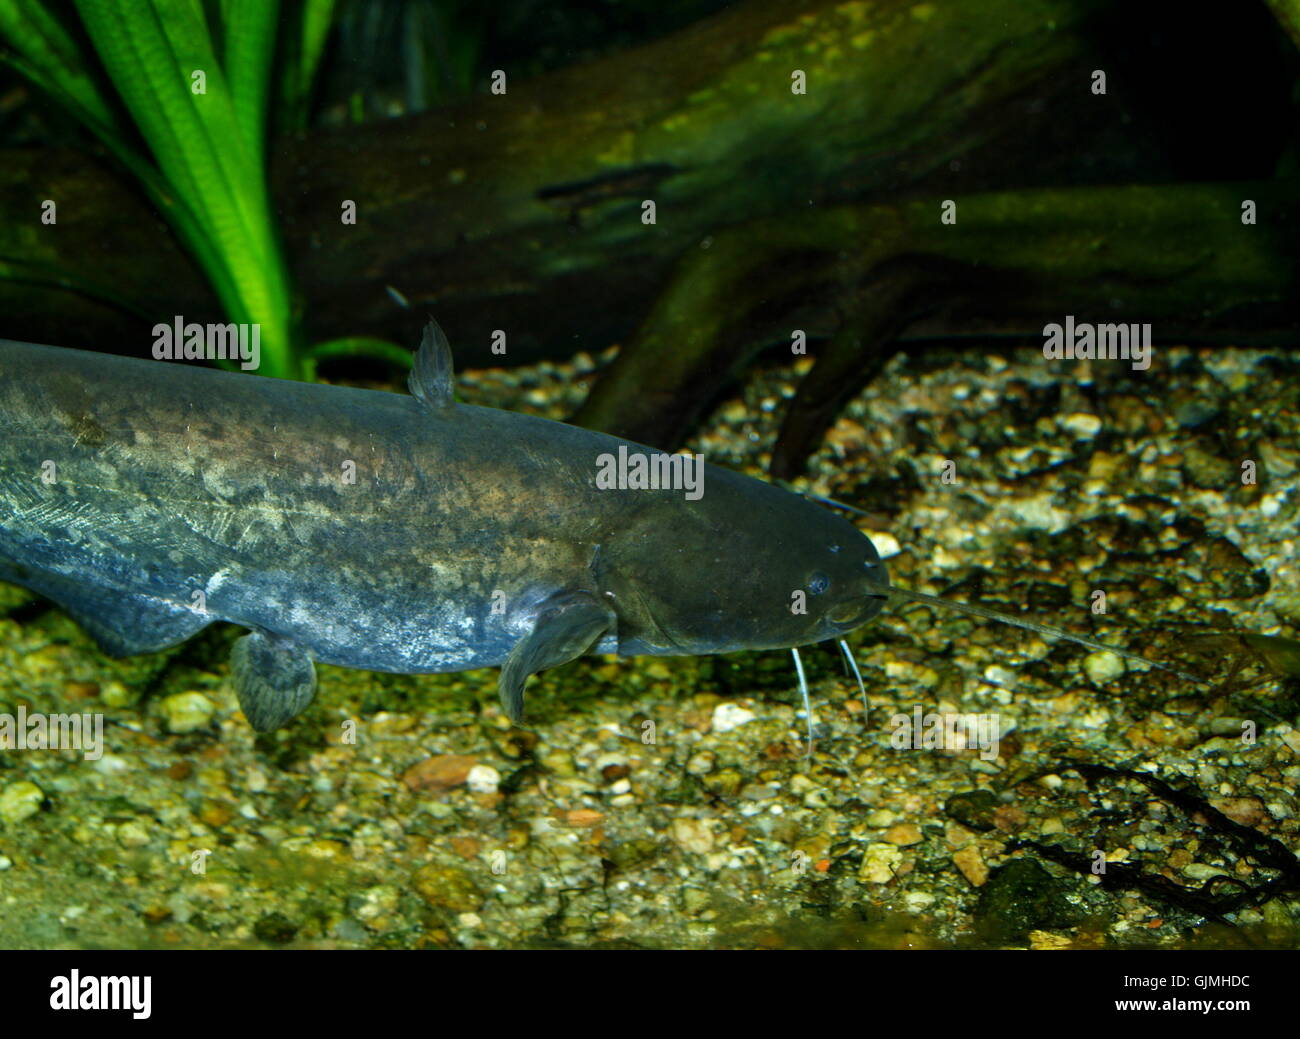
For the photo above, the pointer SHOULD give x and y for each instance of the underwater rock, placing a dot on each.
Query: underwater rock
(275, 928)
(1021, 897)
(973, 809)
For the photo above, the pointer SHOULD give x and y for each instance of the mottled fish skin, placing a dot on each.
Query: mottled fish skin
(150, 498)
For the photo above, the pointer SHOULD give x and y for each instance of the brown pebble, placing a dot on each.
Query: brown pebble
(439, 773)
(613, 773)
(904, 834)
(80, 690)
(583, 817)
(972, 866)
(215, 815)
(180, 770)
(466, 847)
(1179, 857)
(1249, 811)
(447, 887)
(1008, 818)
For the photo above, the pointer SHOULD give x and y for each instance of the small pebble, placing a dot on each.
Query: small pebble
(115, 694)
(972, 866)
(728, 716)
(1103, 666)
(187, 712)
(483, 779)
(904, 834)
(441, 772)
(880, 863)
(1081, 424)
(20, 801)
(132, 835)
(693, 835)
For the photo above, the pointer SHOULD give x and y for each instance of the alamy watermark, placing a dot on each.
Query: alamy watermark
(1108, 342)
(37, 731)
(946, 730)
(131, 992)
(654, 471)
(180, 341)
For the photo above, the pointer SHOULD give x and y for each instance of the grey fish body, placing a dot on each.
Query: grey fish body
(385, 532)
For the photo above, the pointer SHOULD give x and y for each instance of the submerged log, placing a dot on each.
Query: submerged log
(523, 212)
(1179, 257)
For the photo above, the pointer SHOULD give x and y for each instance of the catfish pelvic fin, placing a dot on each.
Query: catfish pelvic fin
(274, 679)
(566, 627)
(432, 380)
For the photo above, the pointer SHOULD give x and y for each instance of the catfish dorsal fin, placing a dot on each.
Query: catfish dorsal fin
(431, 379)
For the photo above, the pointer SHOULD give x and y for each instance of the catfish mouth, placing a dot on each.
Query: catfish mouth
(856, 611)
(853, 613)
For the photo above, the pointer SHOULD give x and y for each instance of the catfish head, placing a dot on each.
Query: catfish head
(747, 566)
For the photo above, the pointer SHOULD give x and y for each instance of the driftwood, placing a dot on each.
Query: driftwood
(523, 212)
(1178, 257)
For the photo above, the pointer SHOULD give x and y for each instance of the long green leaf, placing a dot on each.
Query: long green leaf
(300, 57)
(209, 180)
(45, 52)
(249, 50)
(151, 49)
(354, 346)
(17, 269)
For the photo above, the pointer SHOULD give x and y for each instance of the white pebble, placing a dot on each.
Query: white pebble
(728, 716)
(112, 764)
(918, 901)
(1082, 424)
(483, 779)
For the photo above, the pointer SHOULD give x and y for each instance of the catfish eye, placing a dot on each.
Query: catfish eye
(818, 582)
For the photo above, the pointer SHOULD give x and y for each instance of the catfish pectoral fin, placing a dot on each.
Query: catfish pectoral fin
(566, 627)
(275, 680)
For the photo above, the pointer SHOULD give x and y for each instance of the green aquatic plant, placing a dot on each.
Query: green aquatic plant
(194, 82)
(425, 52)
